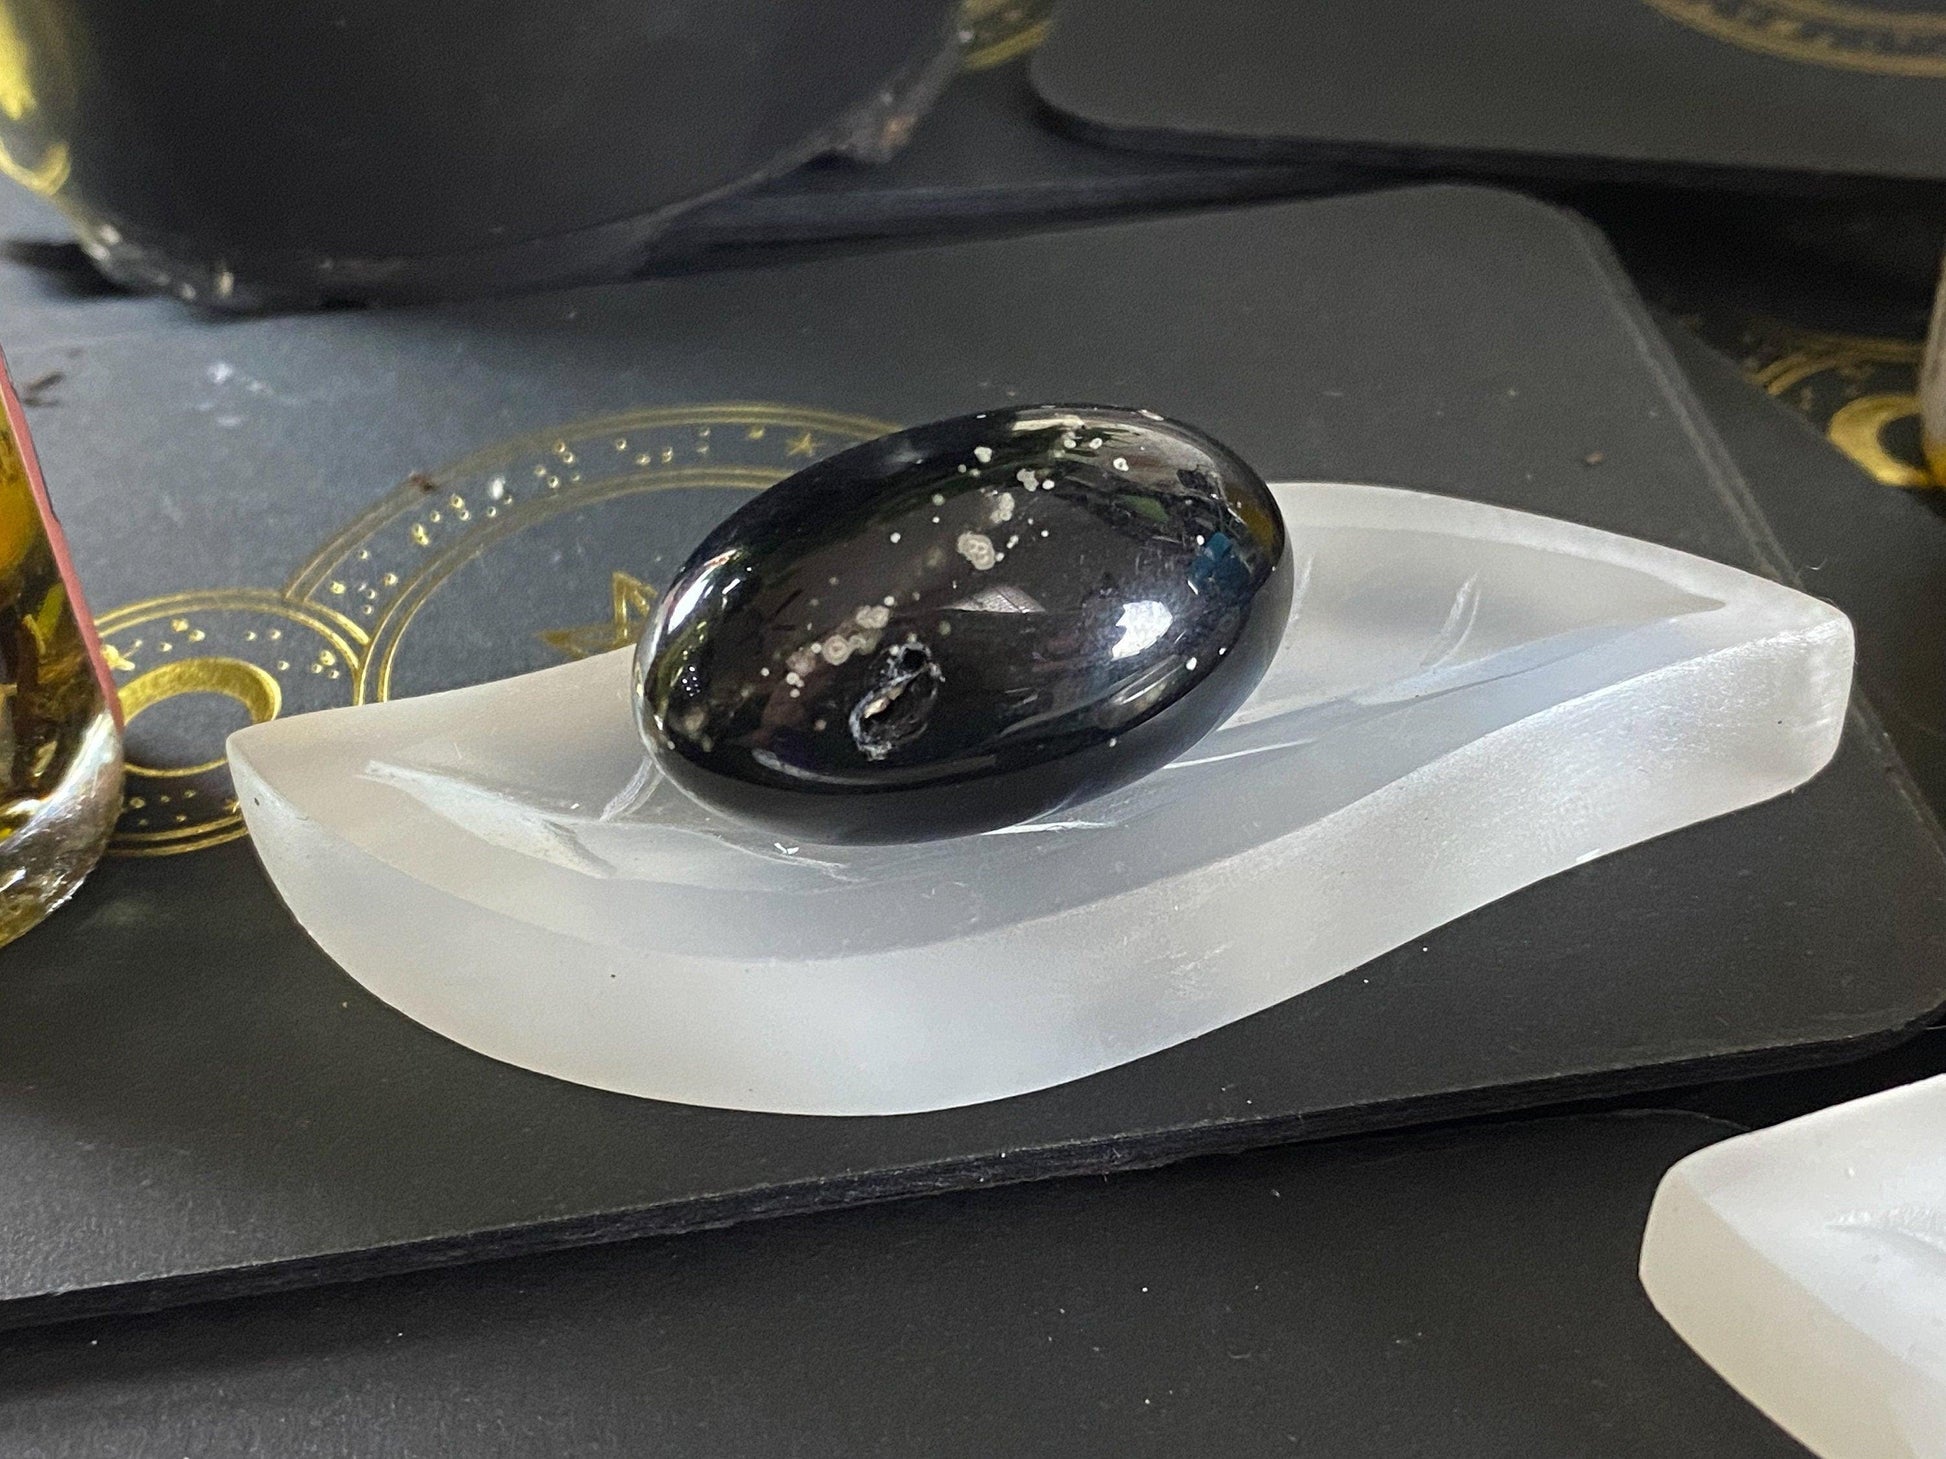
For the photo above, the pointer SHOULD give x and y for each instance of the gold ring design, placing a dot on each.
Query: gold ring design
(1823, 32)
(193, 666)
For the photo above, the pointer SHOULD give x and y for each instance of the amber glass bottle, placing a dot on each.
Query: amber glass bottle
(60, 735)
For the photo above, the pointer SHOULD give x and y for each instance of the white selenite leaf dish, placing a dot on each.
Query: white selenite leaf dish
(1806, 1263)
(1467, 699)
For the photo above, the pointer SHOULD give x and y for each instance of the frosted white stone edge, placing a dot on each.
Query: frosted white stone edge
(1753, 707)
(1806, 1263)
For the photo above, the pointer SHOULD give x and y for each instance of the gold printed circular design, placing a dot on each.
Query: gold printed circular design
(1858, 389)
(190, 668)
(540, 549)
(1891, 40)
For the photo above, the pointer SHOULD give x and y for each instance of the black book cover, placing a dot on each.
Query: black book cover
(1470, 1295)
(1750, 93)
(197, 1102)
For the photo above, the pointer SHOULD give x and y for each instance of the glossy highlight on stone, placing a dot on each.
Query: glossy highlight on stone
(967, 624)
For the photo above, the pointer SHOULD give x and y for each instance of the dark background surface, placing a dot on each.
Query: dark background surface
(1309, 1301)
(191, 1095)
(1603, 88)
(982, 159)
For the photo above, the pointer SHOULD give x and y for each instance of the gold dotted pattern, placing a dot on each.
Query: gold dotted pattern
(1823, 32)
(190, 667)
(331, 635)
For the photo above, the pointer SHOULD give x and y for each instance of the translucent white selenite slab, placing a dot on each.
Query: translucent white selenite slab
(1807, 1264)
(1468, 699)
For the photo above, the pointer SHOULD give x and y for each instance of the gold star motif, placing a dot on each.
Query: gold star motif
(631, 602)
(804, 445)
(114, 658)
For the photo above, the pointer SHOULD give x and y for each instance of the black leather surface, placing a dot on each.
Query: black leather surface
(1468, 1294)
(195, 1101)
(1688, 89)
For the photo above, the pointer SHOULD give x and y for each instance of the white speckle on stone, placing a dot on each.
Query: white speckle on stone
(939, 499)
(977, 548)
(889, 600)
(983, 454)
(832, 581)
(1149, 413)
(1120, 463)
(896, 536)
(962, 468)
(1025, 476)
(835, 650)
(795, 693)
(1003, 507)
(1094, 443)
(793, 679)
(945, 628)
(1192, 666)
(1043, 531)
(1013, 542)
(1221, 651)
(876, 616)
(1067, 441)
(817, 724)
(1114, 740)
(497, 488)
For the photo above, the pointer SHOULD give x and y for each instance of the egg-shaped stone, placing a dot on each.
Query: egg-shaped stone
(965, 625)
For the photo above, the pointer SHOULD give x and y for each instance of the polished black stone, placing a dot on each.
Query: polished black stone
(964, 625)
